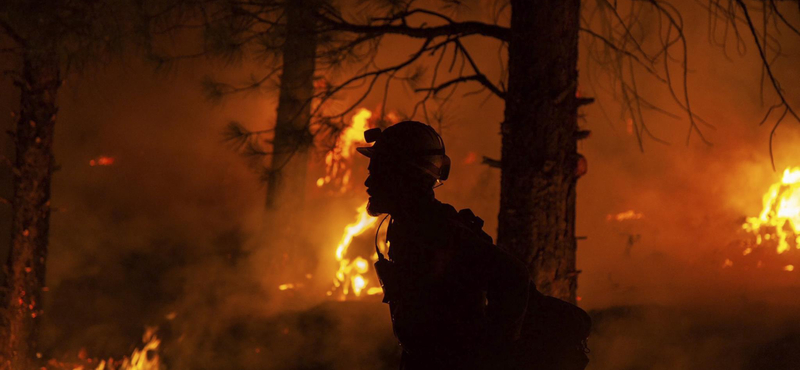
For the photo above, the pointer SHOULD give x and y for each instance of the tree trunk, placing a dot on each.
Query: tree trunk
(25, 269)
(539, 155)
(292, 140)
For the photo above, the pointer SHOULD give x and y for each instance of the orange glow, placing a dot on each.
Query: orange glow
(788, 268)
(780, 216)
(101, 161)
(285, 286)
(727, 263)
(624, 216)
(471, 158)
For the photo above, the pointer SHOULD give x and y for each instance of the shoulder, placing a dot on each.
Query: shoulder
(466, 225)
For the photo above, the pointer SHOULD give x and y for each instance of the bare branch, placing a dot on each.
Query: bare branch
(479, 78)
(13, 33)
(459, 29)
(616, 48)
(491, 162)
(775, 85)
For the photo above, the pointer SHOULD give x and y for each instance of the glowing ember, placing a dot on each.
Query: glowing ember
(727, 263)
(471, 158)
(624, 216)
(337, 169)
(102, 161)
(780, 217)
(285, 286)
(351, 274)
(788, 268)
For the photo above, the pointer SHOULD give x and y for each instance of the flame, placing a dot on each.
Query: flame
(350, 276)
(727, 263)
(101, 161)
(780, 216)
(624, 216)
(337, 169)
(146, 358)
(471, 158)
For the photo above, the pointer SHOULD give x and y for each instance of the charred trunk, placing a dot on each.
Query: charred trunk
(292, 140)
(33, 168)
(539, 136)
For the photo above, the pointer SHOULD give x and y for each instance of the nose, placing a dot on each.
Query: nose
(368, 181)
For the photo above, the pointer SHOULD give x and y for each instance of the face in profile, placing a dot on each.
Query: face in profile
(380, 187)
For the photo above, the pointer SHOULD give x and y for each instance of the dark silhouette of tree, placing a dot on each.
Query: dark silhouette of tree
(285, 38)
(43, 42)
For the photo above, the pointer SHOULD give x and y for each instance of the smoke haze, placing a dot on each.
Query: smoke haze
(172, 233)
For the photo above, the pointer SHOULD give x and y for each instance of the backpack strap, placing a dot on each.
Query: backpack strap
(474, 224)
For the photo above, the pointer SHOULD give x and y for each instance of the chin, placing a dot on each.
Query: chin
(376, 208)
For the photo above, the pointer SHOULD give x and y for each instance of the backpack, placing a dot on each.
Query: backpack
(554, 333)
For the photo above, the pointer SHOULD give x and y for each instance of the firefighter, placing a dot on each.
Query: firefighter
(456, 300)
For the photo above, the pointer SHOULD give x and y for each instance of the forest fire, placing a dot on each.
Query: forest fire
(230, 194)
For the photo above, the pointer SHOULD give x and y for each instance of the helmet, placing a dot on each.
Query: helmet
(410, 142)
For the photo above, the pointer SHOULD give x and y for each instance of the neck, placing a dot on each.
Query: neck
(411, 210)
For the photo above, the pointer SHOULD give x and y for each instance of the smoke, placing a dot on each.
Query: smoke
(172, 233)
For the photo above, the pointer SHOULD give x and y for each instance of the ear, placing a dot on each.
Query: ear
(372, 135)
(444, 172)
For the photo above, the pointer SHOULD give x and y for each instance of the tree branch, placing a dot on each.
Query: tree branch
(477, 77)
(775, 85)
(458, 29)
(13, 34)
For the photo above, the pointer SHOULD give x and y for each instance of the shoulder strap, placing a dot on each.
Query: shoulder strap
(381, 257)
(474, 224)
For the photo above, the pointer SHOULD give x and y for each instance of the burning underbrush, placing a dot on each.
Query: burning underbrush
(144, 358)
(772, 239)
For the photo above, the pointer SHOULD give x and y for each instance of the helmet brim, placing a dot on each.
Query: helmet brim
(366, 151)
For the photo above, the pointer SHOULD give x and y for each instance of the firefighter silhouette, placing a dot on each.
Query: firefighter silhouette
(456, 300)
